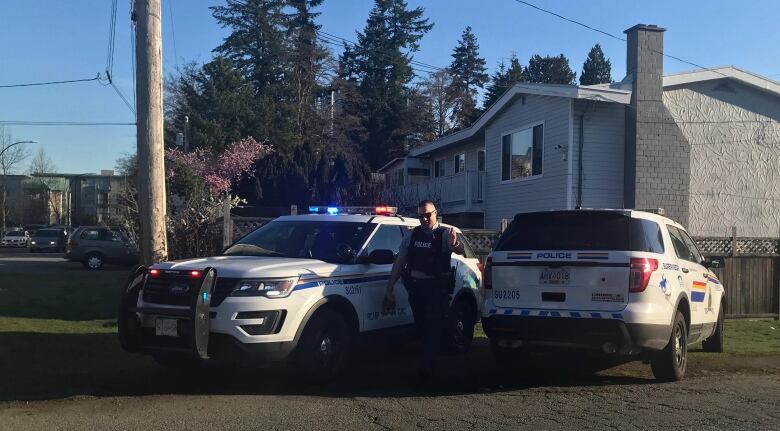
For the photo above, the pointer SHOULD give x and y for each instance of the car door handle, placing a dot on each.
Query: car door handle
(685, 270)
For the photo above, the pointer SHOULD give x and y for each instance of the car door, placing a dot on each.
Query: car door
(112, 245)
(695, 280)
(385, 237)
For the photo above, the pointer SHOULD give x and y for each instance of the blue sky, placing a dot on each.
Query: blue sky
(46, 40)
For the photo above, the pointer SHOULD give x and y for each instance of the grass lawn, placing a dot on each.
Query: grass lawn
(58, 338)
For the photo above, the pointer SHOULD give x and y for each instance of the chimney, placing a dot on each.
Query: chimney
(645, 62)
(657, 159)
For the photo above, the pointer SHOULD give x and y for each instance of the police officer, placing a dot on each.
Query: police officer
(424, 262)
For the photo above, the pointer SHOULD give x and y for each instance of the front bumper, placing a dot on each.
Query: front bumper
(612, 336)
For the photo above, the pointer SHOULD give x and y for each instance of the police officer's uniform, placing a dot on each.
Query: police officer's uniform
(429, 279)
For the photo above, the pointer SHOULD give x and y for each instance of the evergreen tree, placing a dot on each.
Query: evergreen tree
(218, 102)
(597, 69)
(468, 75)
(502, 80)
(382, 62)
(550, 70)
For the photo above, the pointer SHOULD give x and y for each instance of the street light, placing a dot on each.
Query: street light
(16, 143)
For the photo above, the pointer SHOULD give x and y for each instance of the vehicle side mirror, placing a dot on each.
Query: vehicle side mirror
(715, 262)
(381, 257)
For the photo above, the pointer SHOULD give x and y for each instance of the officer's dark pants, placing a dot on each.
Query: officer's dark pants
(429, 300)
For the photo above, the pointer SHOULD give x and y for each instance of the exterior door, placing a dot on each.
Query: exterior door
(694, 280)
(386, 237)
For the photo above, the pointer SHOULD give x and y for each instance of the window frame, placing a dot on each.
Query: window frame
(675, 233)
(456, 169)
(501, 156)
(435, 172)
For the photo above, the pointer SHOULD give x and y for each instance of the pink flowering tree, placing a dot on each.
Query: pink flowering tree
(199, 184)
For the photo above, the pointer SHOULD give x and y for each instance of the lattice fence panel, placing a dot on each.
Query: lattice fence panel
(758, 246)
(714, 246)
(481, 240)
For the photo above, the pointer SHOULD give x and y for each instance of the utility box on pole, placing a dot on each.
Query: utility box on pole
(151, 151)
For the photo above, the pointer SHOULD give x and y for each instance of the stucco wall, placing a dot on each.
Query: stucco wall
(734, 137)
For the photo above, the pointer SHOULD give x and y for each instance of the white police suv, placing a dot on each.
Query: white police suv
(628, 283)
(299, 289)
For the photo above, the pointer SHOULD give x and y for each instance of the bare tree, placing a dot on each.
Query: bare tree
(442, 102)
(54, 188)
(10, 156)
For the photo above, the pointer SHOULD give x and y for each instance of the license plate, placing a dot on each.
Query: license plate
(554, 276)
(166, 327)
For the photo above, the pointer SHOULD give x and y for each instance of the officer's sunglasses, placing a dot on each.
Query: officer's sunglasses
(426, 215)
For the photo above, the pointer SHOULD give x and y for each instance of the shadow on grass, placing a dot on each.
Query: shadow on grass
(66, 292)
(53, 366)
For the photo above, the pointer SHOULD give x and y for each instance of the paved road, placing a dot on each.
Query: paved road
(716, 401)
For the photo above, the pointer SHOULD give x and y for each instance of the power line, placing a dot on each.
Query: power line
(61, 123)
(173, 33)
(612, 35)
(570, 20)
(353, 43)
(33, 84)
(111, 40)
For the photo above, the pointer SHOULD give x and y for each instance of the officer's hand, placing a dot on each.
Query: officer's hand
(453, 237)
(388, 303)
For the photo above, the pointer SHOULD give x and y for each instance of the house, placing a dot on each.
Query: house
(702, 145)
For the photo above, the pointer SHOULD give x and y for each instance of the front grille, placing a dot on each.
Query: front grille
(179, 290)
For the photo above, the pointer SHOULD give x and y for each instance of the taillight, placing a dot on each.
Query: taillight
(487, 274)
(641, 270)
(154, 272)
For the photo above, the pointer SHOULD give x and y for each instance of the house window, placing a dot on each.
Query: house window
(399, 177)
(481, 161)
(460, 163)
(521, 153)
(438, 168)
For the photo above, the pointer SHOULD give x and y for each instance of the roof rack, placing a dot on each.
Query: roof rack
(659, 211)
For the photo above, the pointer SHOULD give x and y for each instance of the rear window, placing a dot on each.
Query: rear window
(581, 230)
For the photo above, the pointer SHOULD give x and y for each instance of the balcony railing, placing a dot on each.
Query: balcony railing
(464, 191)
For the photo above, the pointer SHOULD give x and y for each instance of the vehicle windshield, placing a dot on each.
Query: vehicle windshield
(47, 233)
(15, 233)
(322, 240)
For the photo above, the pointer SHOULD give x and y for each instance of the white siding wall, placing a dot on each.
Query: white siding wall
(734, 136)
(539, 193)
(469, 147)
(603, 154)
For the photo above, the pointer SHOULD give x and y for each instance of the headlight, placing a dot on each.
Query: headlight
(33, 242)
(52, 242)
(272, 288)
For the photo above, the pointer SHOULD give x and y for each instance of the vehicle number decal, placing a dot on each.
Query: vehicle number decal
(506, 294)
(353, 290)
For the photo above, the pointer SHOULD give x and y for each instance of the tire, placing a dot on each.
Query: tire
(668, 365)
(714, 344)
(177, 362)
(460, 327)
(93, 261)
(324, 347)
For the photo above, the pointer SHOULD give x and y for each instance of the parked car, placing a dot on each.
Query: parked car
(298, 290)
(49, 239)
(32, 228)
(15, 238)
(631, 284)
(95, 246)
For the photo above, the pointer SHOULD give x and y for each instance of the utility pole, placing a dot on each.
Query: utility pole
(151, 152)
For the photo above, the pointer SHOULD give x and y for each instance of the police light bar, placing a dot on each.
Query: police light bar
(377, 210)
